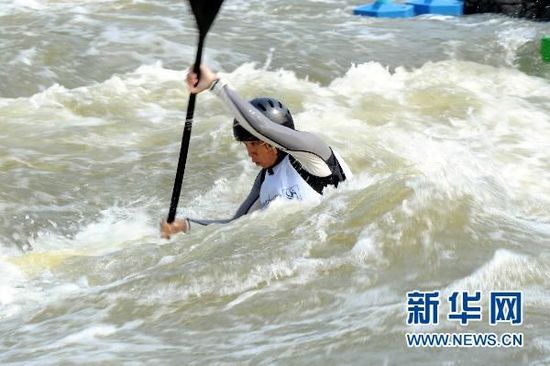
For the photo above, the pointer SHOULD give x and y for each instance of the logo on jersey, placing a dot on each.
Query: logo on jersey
(292, 193)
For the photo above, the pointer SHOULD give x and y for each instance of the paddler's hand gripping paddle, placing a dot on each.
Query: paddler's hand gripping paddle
(205, 12)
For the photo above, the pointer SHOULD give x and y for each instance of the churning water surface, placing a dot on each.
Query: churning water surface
(444, 121)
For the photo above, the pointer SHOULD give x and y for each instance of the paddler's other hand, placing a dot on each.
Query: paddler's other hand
(177, 226)
(207, 78)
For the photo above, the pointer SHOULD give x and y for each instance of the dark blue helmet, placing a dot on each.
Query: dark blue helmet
(272, 109)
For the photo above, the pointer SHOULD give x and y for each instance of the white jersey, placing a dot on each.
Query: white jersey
(305, 166)
(284, 182)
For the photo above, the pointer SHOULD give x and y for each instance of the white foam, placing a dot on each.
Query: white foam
(30, 4)
(369, 248)
(11, 279)
(20, 292)
(25, 57)
(116, 228)
(48, 97)
(431, 142)
(380, 81)
(512, 39)
(229, 283)
(89, 335)
(505, 271)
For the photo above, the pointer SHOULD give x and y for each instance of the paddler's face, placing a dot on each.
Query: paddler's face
(261, 153)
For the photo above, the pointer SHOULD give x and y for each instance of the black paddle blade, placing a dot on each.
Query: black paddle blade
(205, 12)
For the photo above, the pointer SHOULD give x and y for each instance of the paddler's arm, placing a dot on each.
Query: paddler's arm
(250, 204)
(307, 148)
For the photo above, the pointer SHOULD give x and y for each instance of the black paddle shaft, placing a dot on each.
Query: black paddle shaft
(205, 12)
